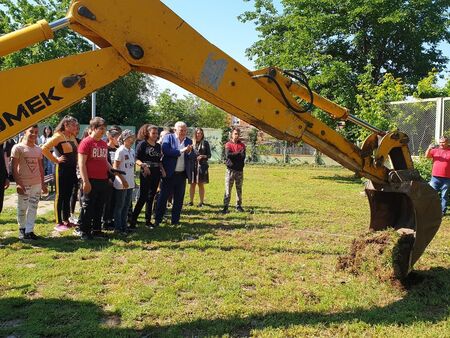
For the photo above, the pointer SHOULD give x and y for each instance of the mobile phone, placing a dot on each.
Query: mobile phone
(117, 171)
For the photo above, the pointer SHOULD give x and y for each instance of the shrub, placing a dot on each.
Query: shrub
(424, 166)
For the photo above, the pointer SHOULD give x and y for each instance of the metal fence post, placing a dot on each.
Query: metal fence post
(439, 130)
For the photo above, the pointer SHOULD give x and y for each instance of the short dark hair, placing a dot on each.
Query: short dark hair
(97, 122)
(235, 128)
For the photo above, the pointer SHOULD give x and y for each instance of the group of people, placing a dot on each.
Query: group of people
(100, 173)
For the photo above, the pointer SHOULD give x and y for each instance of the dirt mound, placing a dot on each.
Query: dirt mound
(384, 254)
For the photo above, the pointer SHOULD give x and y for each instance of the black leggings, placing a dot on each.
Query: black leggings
(65, 178)
(147, 191)
(76, 196)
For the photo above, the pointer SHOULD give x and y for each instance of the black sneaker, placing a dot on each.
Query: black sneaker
(21, 233)
(99, 234)
(224, 211)
(122, 233)
(30, 235)
(239, 209)
(190, 204)
(200, 205)
(149, 224)
(85, 236)
(108, 226)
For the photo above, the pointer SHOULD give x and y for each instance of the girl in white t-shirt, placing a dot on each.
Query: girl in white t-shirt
(124, 160)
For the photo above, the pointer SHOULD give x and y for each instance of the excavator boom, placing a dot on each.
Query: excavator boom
(147, 36)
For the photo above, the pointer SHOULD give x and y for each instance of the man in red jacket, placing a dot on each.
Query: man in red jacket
(440, 179)
(234, 160)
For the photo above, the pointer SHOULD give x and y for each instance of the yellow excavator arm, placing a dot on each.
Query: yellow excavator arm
(147, 36)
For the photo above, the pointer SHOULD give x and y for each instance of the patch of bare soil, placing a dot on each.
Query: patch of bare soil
(112, 321)
(384, 254)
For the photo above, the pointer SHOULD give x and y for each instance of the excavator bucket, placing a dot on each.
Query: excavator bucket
(410, 206)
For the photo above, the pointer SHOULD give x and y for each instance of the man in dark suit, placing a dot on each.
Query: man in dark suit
(177, 161)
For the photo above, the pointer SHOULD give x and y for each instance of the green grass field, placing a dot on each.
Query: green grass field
(269, 272)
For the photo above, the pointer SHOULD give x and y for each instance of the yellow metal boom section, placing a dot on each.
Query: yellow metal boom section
(148, 37)
(32, 93)
(29, 35)
(155, 40)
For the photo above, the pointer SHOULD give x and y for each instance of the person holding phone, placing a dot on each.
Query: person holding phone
(440, 175)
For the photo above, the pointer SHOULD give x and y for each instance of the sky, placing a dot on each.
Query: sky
(217, 21)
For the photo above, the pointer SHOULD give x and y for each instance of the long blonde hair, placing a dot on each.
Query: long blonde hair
(195, 135)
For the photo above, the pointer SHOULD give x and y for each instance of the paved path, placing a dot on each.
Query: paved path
(45, 205)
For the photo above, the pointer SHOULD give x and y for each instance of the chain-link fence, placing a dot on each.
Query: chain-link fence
(266, 149)
(424, 121)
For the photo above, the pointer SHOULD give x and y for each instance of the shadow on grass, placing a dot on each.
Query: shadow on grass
(166, 233)
(340, 179)
(426, 302)
(247, 248)
(249, 209)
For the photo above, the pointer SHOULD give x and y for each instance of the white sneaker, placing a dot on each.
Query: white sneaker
(21, 233)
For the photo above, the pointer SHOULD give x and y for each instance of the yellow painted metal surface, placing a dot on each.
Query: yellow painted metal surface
(175, 51)
(147, 36)
(31, 93)
(27, 36)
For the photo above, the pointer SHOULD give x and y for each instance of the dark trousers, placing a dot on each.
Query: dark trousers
(2, 191)
(147, 192)
(176, 185)
(110, 202)
(76, 196)
(92, 206)
(65, 179)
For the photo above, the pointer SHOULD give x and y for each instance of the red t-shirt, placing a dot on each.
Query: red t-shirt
(97, 157)
(441, 162)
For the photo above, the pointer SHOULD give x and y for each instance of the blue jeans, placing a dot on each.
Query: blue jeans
(441, 184)
(49, 167)
(122, 204)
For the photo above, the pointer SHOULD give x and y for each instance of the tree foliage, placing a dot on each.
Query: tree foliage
(123, 102)
(372, 101)
(169, 109)
(393, 36)
(428, 87)
(354, 51)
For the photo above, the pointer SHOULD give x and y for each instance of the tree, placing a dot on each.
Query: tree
(373, 100)
(168, 109)
(193, 110)
(123, 102)
(206, 114)
(428, 88)
(334, 40)
(21, 13)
